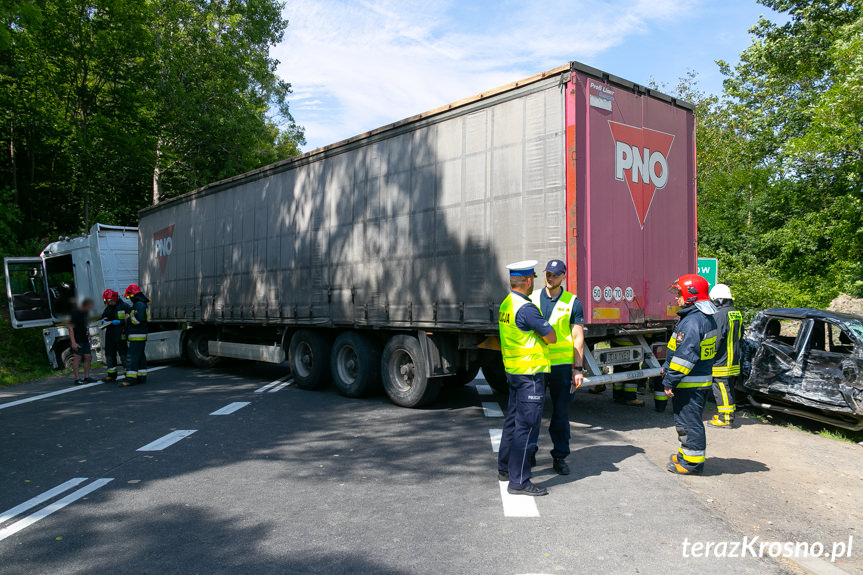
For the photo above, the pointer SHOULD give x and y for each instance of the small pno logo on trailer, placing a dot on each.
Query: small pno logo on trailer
(163, 245)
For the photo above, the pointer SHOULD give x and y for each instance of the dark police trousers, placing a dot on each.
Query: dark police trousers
(136, 362)
(688, 409)
(559, 384)
(521, 426)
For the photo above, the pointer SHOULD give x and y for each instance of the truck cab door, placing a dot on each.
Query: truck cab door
(27, 292)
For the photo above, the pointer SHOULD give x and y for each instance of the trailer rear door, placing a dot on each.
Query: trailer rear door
(631, 218)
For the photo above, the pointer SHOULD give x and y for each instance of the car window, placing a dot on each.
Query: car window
(783, 330)
(839, 340)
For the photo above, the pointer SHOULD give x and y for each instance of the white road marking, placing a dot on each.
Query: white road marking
(231, 408)
(167, 440)
(272, 384)
(66, 390)
(484, 389)
(492, 409)
(517, 505)
(281, 386)
(494, 435)
(56, 506)
(46, 395)
(39, 499)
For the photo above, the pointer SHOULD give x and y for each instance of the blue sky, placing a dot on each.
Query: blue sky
(357, 65)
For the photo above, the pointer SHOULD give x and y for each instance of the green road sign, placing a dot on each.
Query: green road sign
(708, 268)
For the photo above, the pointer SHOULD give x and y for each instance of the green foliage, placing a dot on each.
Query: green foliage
(780, 195)
(22, 354)
(102, 99)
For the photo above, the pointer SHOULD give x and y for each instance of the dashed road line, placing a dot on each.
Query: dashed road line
(282, 386)
(231, 408)
(494, 435)
(272, 384)
(167, 440)
(492, 409)
(517, 505)
(39, 499)
(52, 508)
(65, 390)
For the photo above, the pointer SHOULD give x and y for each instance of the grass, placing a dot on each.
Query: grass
(804, 425)
(22, 354)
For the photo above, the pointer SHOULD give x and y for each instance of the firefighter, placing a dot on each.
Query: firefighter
(726, 365)
(114, 324)
(564, 312)
(524, 340)
(688, 371)
(136, 326)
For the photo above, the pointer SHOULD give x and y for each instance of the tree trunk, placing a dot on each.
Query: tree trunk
(157, 174)
(14, 161)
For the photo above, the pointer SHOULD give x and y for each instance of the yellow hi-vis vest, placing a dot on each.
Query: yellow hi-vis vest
(524, 352)
(561, 352)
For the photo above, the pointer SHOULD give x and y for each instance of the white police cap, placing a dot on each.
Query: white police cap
(523, 268)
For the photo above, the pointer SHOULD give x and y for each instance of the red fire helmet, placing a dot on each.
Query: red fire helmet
(110, 295)
(132, 290)
(692, 287)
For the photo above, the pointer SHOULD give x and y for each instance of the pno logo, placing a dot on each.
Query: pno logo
(641, 160)
(163, 245)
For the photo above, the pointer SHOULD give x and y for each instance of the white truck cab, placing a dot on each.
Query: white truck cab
(43, 290)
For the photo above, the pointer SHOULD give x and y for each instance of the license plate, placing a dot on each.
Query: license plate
(617, 356)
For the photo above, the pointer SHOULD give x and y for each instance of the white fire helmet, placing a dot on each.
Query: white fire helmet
(720, 291)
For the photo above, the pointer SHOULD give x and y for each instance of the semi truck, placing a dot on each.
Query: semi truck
(379, 261)
(42, 291)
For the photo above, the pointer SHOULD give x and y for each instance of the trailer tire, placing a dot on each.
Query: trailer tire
(310, 359)
(405, 373)
(355, 364)
(197, 349)
(461, 377)
(492, 369)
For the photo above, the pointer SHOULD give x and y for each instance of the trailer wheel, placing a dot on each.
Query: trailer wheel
(310, 359)
(405, 373)
(197, 349)
(492, 368)
(462, 377)
(67, 358)
(355, 364)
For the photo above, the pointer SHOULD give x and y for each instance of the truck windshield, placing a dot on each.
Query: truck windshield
(61, 284)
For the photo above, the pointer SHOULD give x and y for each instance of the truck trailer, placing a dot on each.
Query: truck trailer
(381, 259)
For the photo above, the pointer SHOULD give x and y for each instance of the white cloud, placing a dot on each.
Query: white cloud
(358, 65)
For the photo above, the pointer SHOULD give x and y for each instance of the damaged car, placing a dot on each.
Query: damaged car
(806, 362)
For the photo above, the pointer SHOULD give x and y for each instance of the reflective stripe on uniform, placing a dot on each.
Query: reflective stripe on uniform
(630, 387)
(695, 381)
(132, 374)
(121, 315)
(726, 408)
(524, 353)
(138, 337)
(134, 320)
(660, 396)
(142, 373)
(691, 455)
(112, 370)
(681, 365)
(726, 371)
(708, 345)
(672, 343)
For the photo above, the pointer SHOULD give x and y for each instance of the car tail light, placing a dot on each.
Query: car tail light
(659, 350)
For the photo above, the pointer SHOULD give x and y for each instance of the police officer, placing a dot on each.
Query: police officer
(114, 324)
(726, 365)
(524, 340)
(564, 312)
(136, 328)
(688, 371)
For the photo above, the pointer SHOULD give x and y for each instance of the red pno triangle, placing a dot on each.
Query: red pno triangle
(645, 142)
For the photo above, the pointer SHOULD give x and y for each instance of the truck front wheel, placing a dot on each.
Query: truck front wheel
(355, 364)
(492, 369)
(197, 349)
(310, 359)
(405, 374)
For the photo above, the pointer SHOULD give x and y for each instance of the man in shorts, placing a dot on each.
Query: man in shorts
(79, 339)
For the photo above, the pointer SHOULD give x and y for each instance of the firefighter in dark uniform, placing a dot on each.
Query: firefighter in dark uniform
(136, 330)
(726, 365)
(114, 324)
(524, 340)
(688, 371)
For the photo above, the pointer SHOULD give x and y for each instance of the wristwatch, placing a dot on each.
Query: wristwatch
(577, 368)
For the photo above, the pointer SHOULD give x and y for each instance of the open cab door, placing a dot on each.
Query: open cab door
(27, 292)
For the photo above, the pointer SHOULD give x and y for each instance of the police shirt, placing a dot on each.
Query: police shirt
(528, 318)
(547, 305)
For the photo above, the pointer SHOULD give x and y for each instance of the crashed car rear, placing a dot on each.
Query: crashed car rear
(806, 362)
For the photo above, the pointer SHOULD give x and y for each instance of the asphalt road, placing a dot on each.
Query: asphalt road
(311, 482)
